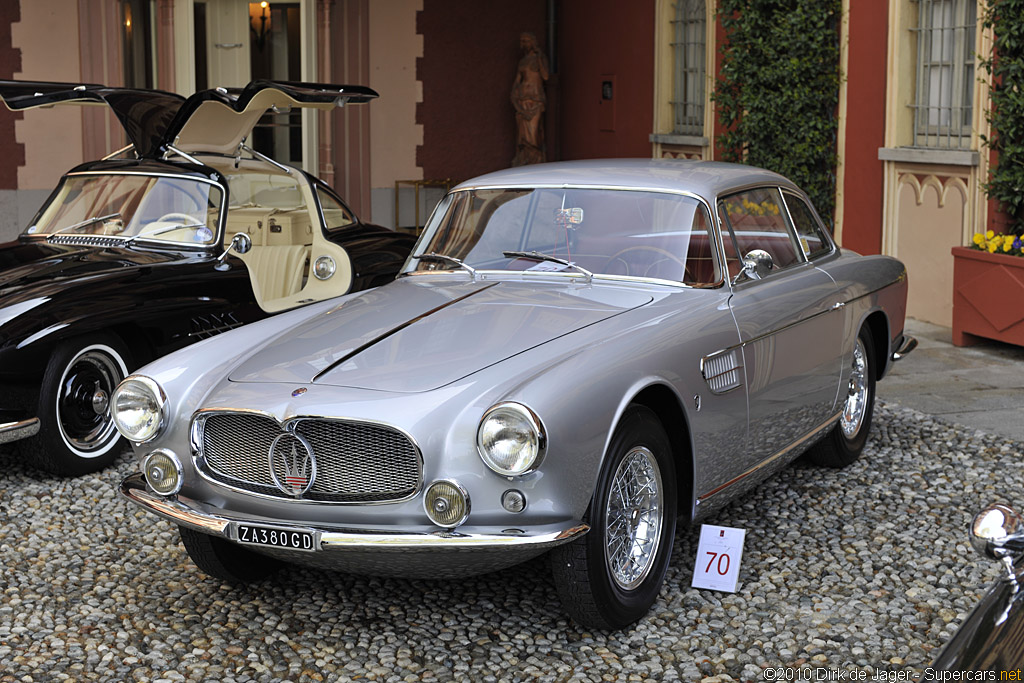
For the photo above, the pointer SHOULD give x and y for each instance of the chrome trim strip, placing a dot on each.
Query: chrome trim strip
(908, 345)
(16, 431)
(133, 488)
(767, 461)
(199, 461)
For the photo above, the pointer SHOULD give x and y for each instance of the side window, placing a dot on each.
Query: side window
(808, 231)
(336, 214)
(755, 219)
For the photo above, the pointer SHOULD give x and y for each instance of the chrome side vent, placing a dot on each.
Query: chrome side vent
(721, 371)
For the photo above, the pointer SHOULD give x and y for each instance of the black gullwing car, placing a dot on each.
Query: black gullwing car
(183, 234)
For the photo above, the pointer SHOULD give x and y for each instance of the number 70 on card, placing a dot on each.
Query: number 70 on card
(718, 558)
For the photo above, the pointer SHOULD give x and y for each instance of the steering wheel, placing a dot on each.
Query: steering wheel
(174, 215)
(662, 256)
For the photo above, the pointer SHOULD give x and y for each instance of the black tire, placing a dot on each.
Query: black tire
(845, 441)
(593, 593)
(76, 434)
(225, 560)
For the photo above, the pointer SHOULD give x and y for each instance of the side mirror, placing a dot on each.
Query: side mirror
(756, 265)
(241, 243)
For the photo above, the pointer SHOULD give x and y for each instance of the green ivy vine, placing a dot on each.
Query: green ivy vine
(1005, 68)
(778, 90)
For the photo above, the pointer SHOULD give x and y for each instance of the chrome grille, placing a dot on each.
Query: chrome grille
(357, 462)
(722, 371)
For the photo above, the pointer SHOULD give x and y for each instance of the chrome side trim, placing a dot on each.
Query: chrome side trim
(767, 461)
(16, 431)
(174, 509)
(199, 462)
(908, 345)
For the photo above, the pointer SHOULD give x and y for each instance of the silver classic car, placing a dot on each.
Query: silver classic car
(575, 355)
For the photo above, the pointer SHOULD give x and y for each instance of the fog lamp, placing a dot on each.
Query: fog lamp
(163, 472)
(446, 503)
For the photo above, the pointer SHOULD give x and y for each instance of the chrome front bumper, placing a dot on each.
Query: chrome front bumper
(174, 509)
(15, 431)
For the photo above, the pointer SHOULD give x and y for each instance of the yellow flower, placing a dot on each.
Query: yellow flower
(1007, 246)
(978, 239)
(1008, 241)
(990, 234)
(992, 247)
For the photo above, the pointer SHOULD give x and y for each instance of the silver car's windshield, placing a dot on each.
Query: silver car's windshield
(607, 232)
(160, 208)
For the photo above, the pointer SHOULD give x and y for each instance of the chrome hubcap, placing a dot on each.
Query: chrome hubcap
(83, 401)
(857, 398)
(633, 518)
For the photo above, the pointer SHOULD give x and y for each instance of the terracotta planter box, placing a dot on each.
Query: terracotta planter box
(988, 297)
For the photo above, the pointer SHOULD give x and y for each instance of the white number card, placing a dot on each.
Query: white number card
(718, 558)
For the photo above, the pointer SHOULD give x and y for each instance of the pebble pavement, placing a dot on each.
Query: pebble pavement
(863, 567)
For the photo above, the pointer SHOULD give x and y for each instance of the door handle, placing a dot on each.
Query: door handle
(837, 305)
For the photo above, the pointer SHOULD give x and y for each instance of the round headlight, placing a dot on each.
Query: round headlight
(446, 503)
(324, 267)
(163, 472)
(137, 406)
(511, 439)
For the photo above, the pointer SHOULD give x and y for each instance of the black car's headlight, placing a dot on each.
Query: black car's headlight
(138, 406)
(511, 439)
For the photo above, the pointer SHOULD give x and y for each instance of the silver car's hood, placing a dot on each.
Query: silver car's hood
(417, 334)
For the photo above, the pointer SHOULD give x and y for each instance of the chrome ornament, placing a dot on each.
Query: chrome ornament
(292, 464)
(299, 392)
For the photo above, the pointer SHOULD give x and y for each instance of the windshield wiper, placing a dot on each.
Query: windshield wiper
(87, 221)
(547, 257)
(160, 231)
(432, 256)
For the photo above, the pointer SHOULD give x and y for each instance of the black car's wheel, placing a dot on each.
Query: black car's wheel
(844, 443)
(76, 433)
(611, 577)
(225, 560)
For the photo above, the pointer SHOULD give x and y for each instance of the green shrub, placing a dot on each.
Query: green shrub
(1006, 76)
(778, 90)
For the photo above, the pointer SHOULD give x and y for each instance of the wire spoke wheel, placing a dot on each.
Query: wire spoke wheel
(633, 518)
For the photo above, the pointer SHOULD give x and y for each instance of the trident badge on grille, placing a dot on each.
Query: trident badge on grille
(292, 464)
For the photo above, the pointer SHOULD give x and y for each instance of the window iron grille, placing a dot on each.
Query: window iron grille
(945, 73)
(688, 30)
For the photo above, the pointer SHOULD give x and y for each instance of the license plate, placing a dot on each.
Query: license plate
(291, 539)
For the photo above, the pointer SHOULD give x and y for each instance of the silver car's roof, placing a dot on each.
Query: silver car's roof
(708, 179)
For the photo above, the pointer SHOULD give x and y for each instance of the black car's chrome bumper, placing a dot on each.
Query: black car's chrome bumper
(174, 509)
(15, 431)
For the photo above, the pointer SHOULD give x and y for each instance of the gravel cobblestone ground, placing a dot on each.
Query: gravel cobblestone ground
(863, 567)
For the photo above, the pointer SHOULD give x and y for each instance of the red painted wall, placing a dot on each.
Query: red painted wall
(470, 54)
(865, 126)
(597, 38)
(12, 154)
